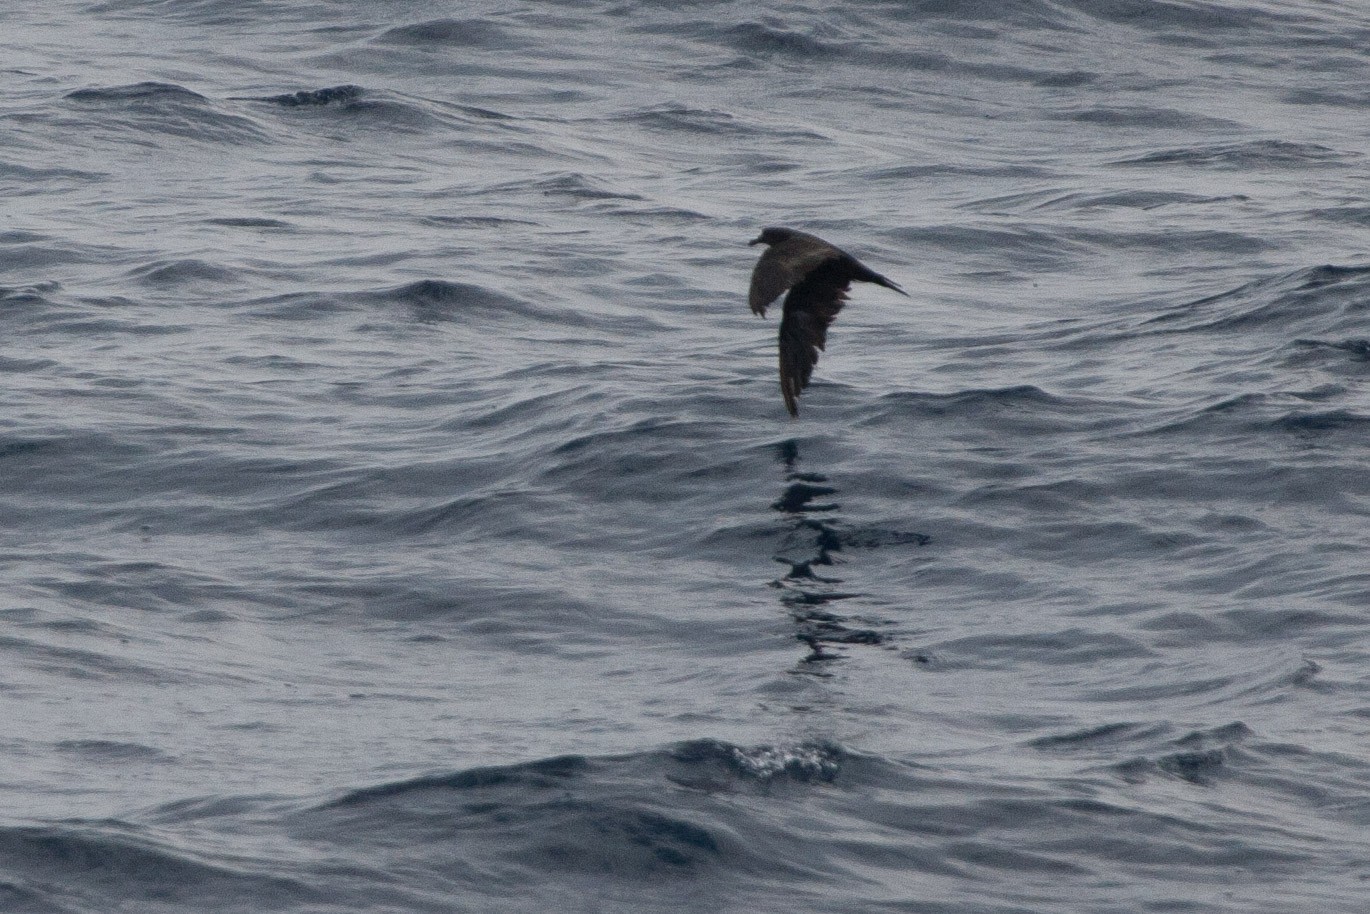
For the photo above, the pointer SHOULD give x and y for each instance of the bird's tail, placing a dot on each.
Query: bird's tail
(870, 275)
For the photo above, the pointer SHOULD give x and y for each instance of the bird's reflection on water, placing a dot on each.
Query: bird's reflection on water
(810, 590)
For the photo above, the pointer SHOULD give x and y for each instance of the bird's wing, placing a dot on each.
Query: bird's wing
(783, 265)
(810, 309)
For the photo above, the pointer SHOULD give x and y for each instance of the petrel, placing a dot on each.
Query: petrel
(817, 275)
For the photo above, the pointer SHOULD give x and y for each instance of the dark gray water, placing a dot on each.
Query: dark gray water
(400, 513)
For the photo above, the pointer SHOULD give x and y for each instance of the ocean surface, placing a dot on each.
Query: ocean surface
(398, 511)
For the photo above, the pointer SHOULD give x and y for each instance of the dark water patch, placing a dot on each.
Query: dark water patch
(582, 188)
(1355, 352)
(147, 586)
(1073, 646)
(533, 405)
(187, 272)
(499, 512)
(1145, 117)
(992, 15)
(99, 751)
(1054, 199)
(436, 295)
(539, 775)
(92, 867)
(255, 222)
(477, 112)
(366, 107)
(1251, 154)
(990, 855)
(1042, 198)
(1225, 735)
(1221, 242)
(678, 118)
(1067, 79)
(59, 464)
(1349, 214)
(1146, 199)
(1277, 623)
(640, 431)
(16, 446)
(761, 39)
(451, 33)
(21, 256)
(446, 301)
(213, 806)
(274, 362)
(661, 215)
(1103, 837)
(312, 98)
(932, 170)
(360, 107)
(617, 819)
(79, 664)
(914, 61)
(1097, 541)
(647, 462)
(516, 618)
(1202, 758)
(1093, 739)
(23, 366)
(1182, 15)
(654, 815)
(296, 306)
(80, 324)
(1331, 274)
(1202, 768)
(1321, 423)
(474, 222)
(213, 13)
(116, 96)
(1055, 497)
(1255, 59)
(1024, 248)
(38, 293)
(951, 68)
(1328, 97)
(16, 898)
(166, 108)
(1299, 300)
(1018, 408)
(20, 180)
(1201, 683)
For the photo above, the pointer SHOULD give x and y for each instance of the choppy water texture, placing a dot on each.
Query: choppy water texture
(400, 512)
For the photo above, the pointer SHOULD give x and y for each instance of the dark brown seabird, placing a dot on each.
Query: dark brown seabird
(817, 275)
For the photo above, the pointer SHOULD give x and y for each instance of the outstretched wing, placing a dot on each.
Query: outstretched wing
(783, 265)
(810, 309)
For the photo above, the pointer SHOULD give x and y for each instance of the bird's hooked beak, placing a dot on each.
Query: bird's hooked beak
(756, 240)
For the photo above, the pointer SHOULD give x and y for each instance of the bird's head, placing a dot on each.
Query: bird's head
(772, 236)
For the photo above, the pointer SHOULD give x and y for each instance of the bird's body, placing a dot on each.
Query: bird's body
(817, 275)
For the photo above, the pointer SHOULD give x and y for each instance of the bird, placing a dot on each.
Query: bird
(817, 276)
